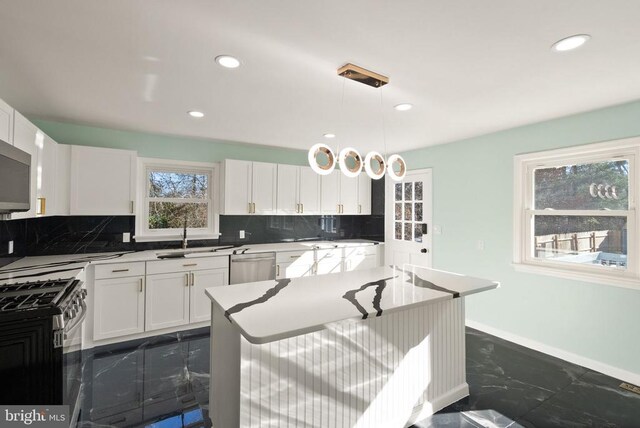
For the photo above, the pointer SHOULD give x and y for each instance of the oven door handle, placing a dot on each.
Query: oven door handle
(78, 320)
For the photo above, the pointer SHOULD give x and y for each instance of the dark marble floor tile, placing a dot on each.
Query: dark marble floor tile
(162, 378)
(509, 378)
(594, 400)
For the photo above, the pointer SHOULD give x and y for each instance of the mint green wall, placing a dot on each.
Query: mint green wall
(167, 146)
(473, 200)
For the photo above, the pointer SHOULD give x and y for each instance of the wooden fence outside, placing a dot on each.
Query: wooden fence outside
(581, 242)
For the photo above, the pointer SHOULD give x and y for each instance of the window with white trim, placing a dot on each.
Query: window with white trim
(575, 212)
(174, 195)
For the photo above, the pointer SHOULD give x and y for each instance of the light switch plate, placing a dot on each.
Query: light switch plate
(241, 234)
(480, 245)
(437, 229)
(126, 237)
(10, 249)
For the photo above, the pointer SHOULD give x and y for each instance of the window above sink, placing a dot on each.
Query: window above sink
(172, 193)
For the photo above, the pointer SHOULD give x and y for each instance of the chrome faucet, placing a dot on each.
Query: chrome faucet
(184, 234)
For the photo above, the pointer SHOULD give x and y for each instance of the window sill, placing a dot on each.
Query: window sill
(159, 238)
(614, 280)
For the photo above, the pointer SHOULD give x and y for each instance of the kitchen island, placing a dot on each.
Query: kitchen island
(382, 347)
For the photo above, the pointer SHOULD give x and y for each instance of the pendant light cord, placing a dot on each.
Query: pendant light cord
(342, 127)
(384, 128)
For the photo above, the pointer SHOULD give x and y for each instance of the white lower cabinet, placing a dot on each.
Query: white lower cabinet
(167, 300)
(360, 258)
(328, 261)
(177, 298)
(200, 303)
(294, 264)
(119, 307)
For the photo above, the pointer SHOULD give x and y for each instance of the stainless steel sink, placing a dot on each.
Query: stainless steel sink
(177, 254)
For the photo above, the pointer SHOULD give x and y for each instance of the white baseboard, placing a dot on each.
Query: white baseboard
(598, 366)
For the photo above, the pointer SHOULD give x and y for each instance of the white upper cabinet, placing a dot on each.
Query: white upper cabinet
(249, 187)
(364, 194)
(309, 191)
(349, 194)
(27, 138)
(330, 194)
(339, 194)
(236, 192)
(288, 194)
(6, 122)
(263, 189)
(63, 179)
(44, 168)
(298, 190)
(102, 181)
(47, 177)
(266, 188)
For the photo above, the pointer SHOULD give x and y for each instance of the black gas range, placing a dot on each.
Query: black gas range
(41, 342)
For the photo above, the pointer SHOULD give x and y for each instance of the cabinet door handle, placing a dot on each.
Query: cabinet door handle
(190, 264)
(193, 279)
(277, 270)
(302, 208)
(359, 209)
(141, 280)
(186, 279)
(41, 206)
(338, 209)
(254, 207)
(249, 208)
(131, 207)
(120, 270)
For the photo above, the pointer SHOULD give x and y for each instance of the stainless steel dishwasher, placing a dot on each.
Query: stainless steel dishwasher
(252, 267)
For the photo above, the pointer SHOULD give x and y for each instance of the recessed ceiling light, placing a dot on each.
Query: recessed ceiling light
(329, 135)
(570, 43)
(404, 107)
(228, 61)
(194, 113)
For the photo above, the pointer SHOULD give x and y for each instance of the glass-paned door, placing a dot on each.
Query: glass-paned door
(408, 236)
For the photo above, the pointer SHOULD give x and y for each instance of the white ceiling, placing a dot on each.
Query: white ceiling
(469, 67)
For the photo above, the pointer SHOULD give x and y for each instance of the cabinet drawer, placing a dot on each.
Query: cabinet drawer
(119, 270)
(366, 250)
(328, 255)
(294, 256)
(187, 264)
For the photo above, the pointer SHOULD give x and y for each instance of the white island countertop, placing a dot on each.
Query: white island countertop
(267, 311)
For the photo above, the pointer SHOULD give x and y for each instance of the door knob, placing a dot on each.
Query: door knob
(424, 250)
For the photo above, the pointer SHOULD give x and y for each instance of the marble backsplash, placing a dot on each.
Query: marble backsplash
(96, 234)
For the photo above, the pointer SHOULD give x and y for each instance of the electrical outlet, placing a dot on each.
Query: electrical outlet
(10, 249)
(480, 245)
(126, 237)
(241, 234)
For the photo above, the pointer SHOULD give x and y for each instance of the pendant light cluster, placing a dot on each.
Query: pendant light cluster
(322, 158)
(323, 161)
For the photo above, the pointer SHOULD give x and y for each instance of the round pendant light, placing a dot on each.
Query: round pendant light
(350, 162)
(321, 159)
(374, 165)
(396, 167)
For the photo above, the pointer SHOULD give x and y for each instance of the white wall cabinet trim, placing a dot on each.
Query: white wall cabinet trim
(6, 122)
